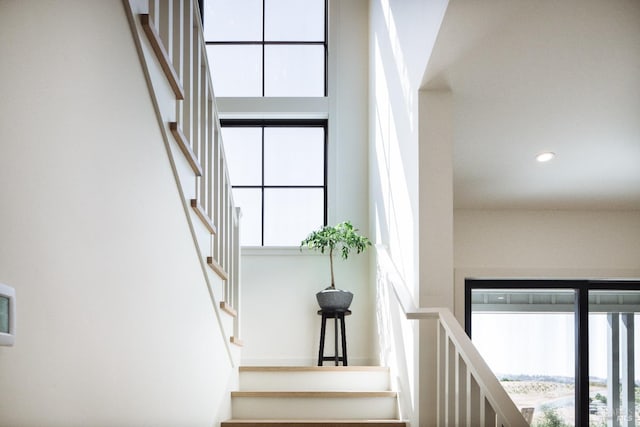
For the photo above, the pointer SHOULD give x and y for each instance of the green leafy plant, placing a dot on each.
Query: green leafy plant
(342, 237)
(551, 418)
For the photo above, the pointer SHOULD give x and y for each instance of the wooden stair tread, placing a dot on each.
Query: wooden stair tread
(236, 341)
(185, 147)
(163, 56)
(217, 268)
(313, 394)
(227, 308)
(315, 423)
(204, 217)
(311, 368)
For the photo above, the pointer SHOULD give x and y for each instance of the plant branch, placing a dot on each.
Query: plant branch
(333, 283)
(343, 237)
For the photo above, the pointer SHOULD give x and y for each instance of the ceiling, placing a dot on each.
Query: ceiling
(542, 75)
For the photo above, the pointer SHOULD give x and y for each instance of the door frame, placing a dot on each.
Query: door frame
(581, 316)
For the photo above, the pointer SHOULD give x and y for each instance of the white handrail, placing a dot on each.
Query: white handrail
(468, 392)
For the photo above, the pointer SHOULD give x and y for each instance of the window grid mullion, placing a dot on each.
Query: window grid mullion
(326, 173)
(263, 52)
(326, 51)
(278, 186)
(257, 42)
(262, 188)
(263, 43)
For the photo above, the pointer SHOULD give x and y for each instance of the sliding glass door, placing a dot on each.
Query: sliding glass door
(614, 373)
(527, 338)
(565, 350)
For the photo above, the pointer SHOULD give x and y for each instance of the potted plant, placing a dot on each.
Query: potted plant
(343, 238)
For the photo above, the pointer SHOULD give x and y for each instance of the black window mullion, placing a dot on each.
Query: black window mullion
(282, 123)
(582, 356)
(263, 43)
(279, 186)
(264, 5)
(326, 50)
(581, 322)
(326, 172)
(262, 190)
(274, 42)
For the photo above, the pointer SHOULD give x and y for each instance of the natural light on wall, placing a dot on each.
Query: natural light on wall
(393, 211)
(395, 225)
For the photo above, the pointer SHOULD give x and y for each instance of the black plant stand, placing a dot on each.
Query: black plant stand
(337, 316)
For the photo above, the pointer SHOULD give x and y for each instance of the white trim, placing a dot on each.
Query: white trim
(460, 274)
(277, 251)
(272, 108)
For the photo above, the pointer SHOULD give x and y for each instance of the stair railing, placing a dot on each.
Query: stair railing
(465, 391)
(183, 97)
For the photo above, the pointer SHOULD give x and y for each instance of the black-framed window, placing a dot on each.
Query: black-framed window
(270, 48)
(278, 172)
(537, 326)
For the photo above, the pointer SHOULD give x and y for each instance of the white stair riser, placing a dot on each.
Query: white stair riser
(314, 408)
(315, 381)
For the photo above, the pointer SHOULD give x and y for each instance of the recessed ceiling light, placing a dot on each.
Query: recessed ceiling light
(545, 157)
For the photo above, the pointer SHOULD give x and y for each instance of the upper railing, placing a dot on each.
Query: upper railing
(173, 31)
(466, 391)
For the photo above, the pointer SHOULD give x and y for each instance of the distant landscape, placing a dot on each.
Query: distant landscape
(553, 398)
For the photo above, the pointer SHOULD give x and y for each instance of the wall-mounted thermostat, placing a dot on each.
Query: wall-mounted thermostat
(7, 315)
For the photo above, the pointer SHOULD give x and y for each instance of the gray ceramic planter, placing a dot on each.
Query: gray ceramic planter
(334, 299)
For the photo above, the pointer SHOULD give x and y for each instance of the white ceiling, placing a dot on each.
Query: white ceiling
(534, 75)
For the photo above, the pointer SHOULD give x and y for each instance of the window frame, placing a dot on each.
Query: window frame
(283, 123)
(581, 287)
(263, 43)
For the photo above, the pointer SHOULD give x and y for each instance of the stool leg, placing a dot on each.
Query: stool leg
(335, 337)
(322, 331)
(344, 341)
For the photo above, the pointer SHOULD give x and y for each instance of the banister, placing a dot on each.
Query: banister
(495, 406)
(169, 38)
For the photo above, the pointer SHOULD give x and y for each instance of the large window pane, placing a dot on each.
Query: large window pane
(290, 214)
(294, 156)
(243, 149)
(294, 70)
(233, 20)
(236, 70)
(294, 20)
(614, 367)
(528, 339)
(277, 170)
(250, 201)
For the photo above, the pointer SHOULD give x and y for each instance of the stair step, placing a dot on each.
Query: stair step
(313, 423)
(315, 405)
(306, 394)
(314, 378)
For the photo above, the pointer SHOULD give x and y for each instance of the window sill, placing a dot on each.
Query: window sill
(277, 251)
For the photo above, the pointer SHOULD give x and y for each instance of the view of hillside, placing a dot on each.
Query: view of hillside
(553, 399)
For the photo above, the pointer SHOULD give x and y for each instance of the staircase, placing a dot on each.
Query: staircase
(314, 396)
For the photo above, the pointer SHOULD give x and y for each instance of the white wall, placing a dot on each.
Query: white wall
(402, 35)
(544, 244)
(280, 324)
(279, 285)
(411, 172)
(115, 322)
